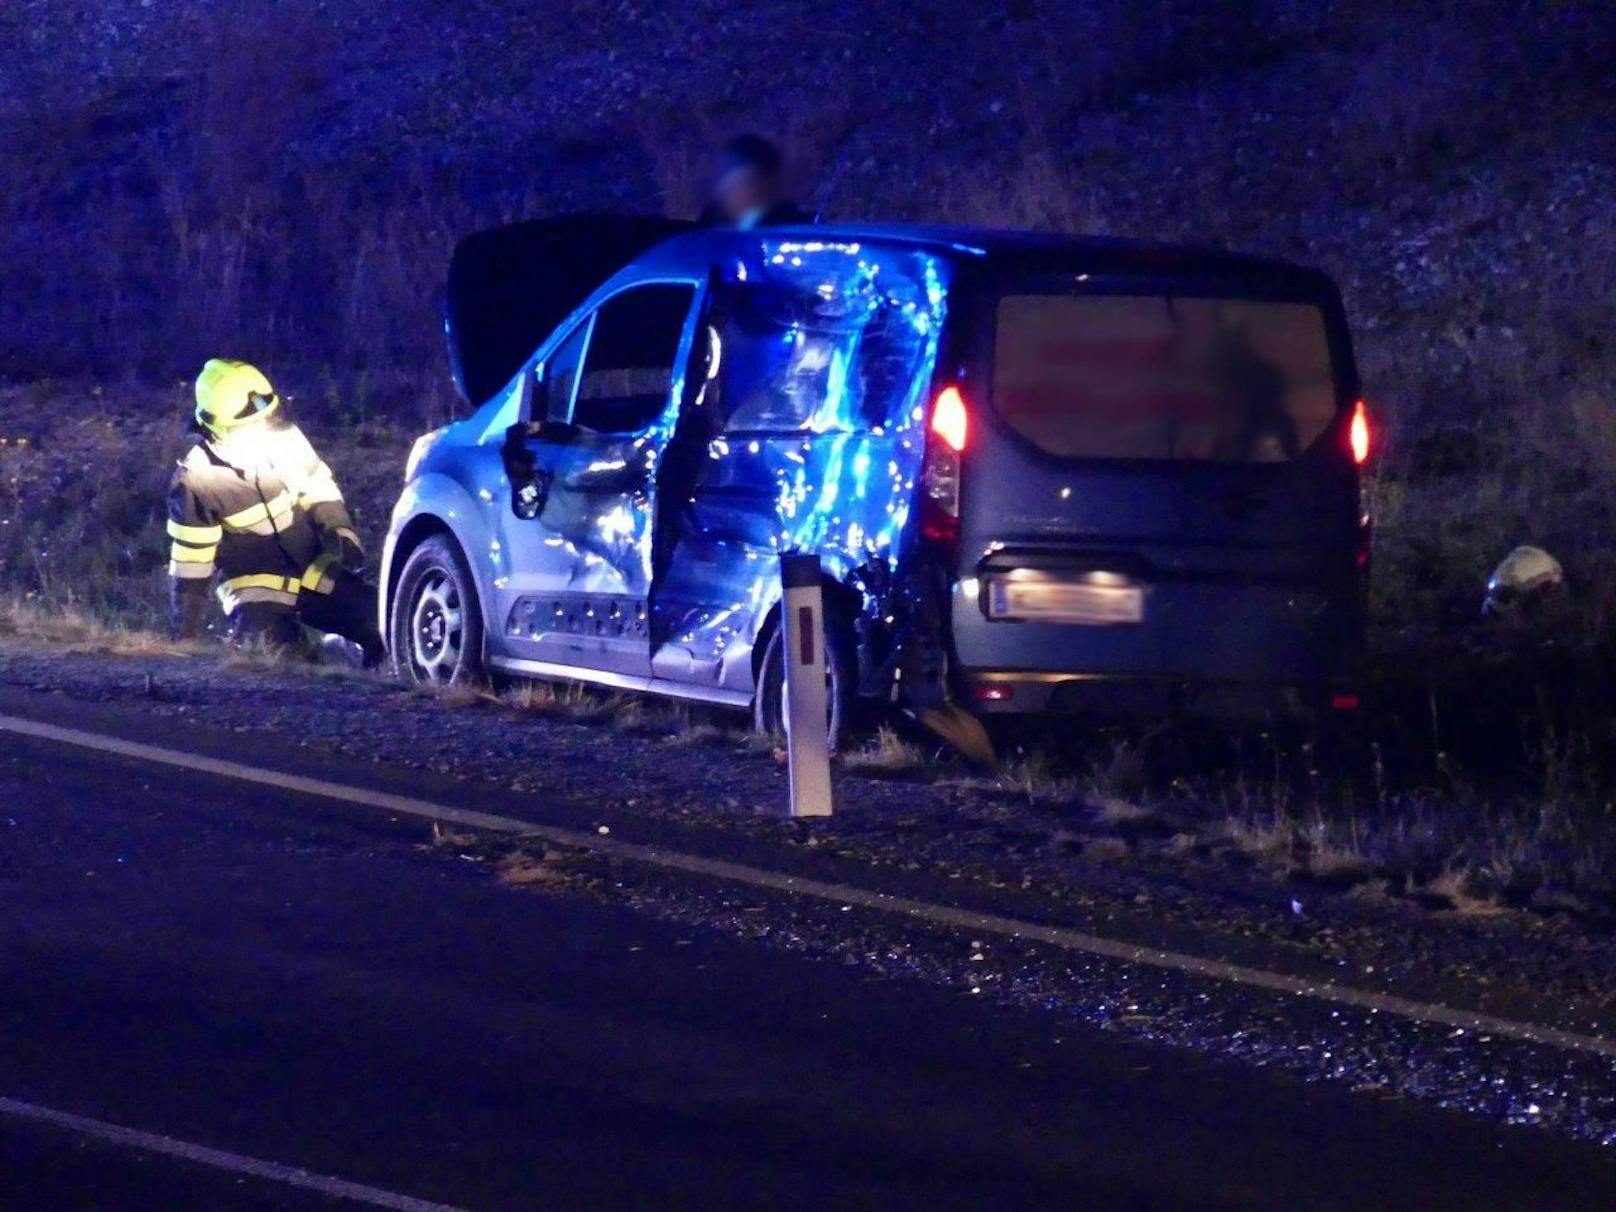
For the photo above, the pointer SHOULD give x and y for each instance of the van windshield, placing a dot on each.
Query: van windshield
(1161, 377)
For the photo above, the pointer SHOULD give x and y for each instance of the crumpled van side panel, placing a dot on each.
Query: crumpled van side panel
(812, 438)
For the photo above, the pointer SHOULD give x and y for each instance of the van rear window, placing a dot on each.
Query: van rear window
(1154, 377)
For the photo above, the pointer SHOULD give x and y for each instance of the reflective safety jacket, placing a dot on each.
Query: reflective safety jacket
(260, 508)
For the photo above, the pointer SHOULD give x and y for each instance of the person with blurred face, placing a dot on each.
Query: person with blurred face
(750, 188)
(253, 503)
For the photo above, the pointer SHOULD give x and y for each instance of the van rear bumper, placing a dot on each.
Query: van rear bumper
(1020, 692)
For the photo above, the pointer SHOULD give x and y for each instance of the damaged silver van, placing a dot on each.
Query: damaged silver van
(1041, 474)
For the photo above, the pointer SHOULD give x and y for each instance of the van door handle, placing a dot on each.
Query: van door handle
(529, 497)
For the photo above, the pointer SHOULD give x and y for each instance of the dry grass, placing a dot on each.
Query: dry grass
(641, 715)
(707, 733)
(457, 696)
(887, 756)
(1115, 813)
(307, 660)
(522, 869)
(1458, 889)
(443, 835)
(1013, 781)
(1270, 843)
(1039, 776)
(573, 702)
(1477, 853)
(762, 743)
(25, 620)
(516, 865)
(1335, 856)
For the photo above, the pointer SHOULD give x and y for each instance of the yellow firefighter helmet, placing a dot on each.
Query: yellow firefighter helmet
(231, 393)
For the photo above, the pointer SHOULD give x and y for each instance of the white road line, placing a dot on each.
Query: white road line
(845, 894)
(219, 1159)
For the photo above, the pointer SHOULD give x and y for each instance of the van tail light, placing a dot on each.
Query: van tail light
(949, 420)
(947, 431)
(1358, 437)
(1360, 442)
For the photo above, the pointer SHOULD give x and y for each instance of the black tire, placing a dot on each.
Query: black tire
(768, 701)
(435, 621)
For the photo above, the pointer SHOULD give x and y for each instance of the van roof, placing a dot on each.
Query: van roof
(1033, 251)
(508, 287)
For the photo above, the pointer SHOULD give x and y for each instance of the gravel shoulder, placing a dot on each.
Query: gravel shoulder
(648, 776)
(1145, 877)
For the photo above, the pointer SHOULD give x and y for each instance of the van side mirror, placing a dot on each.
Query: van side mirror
(530, 483)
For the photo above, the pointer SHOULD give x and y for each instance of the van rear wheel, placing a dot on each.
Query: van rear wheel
(435, 625)
(769, 701)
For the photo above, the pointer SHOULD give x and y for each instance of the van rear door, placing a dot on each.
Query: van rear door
(1159, 483)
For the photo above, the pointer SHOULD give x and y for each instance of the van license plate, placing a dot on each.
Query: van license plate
(1066, 602)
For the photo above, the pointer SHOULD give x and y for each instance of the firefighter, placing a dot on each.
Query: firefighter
(252, 501)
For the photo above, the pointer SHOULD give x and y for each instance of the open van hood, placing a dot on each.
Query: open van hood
(510, 286)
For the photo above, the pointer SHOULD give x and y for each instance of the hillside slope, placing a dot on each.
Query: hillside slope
(284, 181)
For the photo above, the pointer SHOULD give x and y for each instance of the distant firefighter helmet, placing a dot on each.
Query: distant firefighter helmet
(230, 393)
(1527, 575)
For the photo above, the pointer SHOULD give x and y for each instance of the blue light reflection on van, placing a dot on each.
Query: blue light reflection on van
(861, 346)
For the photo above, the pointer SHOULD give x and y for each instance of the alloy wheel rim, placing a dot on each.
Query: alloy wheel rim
(437, 628)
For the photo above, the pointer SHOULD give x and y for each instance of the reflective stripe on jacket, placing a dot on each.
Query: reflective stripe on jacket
(263, 511)
(193, 551)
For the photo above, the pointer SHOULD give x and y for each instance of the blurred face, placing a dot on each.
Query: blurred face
(246, 437)
(257, 444)
(742, 191)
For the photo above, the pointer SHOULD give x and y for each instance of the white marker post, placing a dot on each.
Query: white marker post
(802, 614)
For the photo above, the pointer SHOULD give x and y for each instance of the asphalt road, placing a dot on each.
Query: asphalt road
(294, 981)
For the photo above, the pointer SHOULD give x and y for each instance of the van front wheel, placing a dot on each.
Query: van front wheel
(436, 623)
(769, 701)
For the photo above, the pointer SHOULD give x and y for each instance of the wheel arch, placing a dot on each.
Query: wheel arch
(841, 598)
(415, 532)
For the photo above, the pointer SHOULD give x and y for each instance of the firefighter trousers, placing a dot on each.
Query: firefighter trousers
(349, 610)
